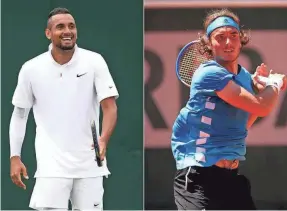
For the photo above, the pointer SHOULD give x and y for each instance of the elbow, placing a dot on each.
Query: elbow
(115, 110)
(109, 107)
(111, 110)
(112, 113)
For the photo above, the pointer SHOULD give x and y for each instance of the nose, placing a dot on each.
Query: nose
(67, 30)
(227, 41)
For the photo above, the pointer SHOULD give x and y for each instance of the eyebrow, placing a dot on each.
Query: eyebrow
(223, 32)
(235, 32)
(71, 23)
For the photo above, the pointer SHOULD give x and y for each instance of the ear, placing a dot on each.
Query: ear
(209, 47)
(48, 33)
(208, 44)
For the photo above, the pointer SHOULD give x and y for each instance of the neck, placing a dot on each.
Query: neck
(230, 66)
(61, 56)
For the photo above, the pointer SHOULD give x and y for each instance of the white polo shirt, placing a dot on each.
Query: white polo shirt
(65, 98)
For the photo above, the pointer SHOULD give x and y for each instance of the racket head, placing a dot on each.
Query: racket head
(188, 60)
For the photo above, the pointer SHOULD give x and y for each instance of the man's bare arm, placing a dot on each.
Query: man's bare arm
(259, 105)
(109, 108)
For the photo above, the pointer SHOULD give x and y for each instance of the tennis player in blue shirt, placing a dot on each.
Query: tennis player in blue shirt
(208, 136)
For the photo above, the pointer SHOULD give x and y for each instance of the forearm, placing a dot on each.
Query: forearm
(17, 130)
(109, 122)
(252, 118)
(256, 87)
(267, 99)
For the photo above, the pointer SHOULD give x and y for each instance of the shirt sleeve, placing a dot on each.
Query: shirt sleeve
(211, 77)
(23, 95)
(104, 83)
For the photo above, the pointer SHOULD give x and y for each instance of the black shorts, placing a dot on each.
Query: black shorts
(212, 188)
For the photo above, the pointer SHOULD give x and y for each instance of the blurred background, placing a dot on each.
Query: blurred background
(169, 25)
(105, 27)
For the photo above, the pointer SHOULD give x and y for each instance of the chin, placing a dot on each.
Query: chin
(225, 59)
(230, 58)
(67, 47)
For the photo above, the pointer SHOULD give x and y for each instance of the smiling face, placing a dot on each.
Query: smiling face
(62, 31)
(225, 44)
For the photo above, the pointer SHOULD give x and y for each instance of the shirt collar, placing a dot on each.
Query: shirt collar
(74, 57)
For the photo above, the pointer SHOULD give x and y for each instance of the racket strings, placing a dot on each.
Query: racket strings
(190, 61)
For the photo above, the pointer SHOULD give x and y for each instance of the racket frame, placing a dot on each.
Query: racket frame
(178, 60)
(96, 144)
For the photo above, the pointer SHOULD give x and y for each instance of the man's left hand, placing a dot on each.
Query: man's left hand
(260, 71)
(102, 148)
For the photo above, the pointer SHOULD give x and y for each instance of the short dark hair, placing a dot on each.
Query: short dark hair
(57, 11)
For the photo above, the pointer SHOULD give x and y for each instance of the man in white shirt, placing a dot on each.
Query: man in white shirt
(65, 86)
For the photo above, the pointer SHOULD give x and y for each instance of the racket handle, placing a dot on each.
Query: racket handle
(98, 158)
(99, 161)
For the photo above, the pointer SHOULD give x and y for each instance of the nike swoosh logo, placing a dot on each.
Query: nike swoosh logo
(79, 75)
(95, 205)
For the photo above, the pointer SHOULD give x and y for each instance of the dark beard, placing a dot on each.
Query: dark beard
(66, 48)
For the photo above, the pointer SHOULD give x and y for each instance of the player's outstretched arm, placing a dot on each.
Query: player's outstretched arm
(17, 132)
(260, 104)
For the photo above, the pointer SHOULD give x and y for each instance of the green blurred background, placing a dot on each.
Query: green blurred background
(112, 28)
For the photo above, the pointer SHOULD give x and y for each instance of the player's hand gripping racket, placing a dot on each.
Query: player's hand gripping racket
(189, 59)
(96, 144)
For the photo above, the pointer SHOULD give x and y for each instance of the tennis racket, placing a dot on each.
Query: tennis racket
(189, 59)
(96, 144)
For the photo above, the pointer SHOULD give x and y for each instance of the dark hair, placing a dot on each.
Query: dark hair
(211, 16)
(57, 11)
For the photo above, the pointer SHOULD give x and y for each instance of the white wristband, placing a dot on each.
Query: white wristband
(271, 81)
(276, 82)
